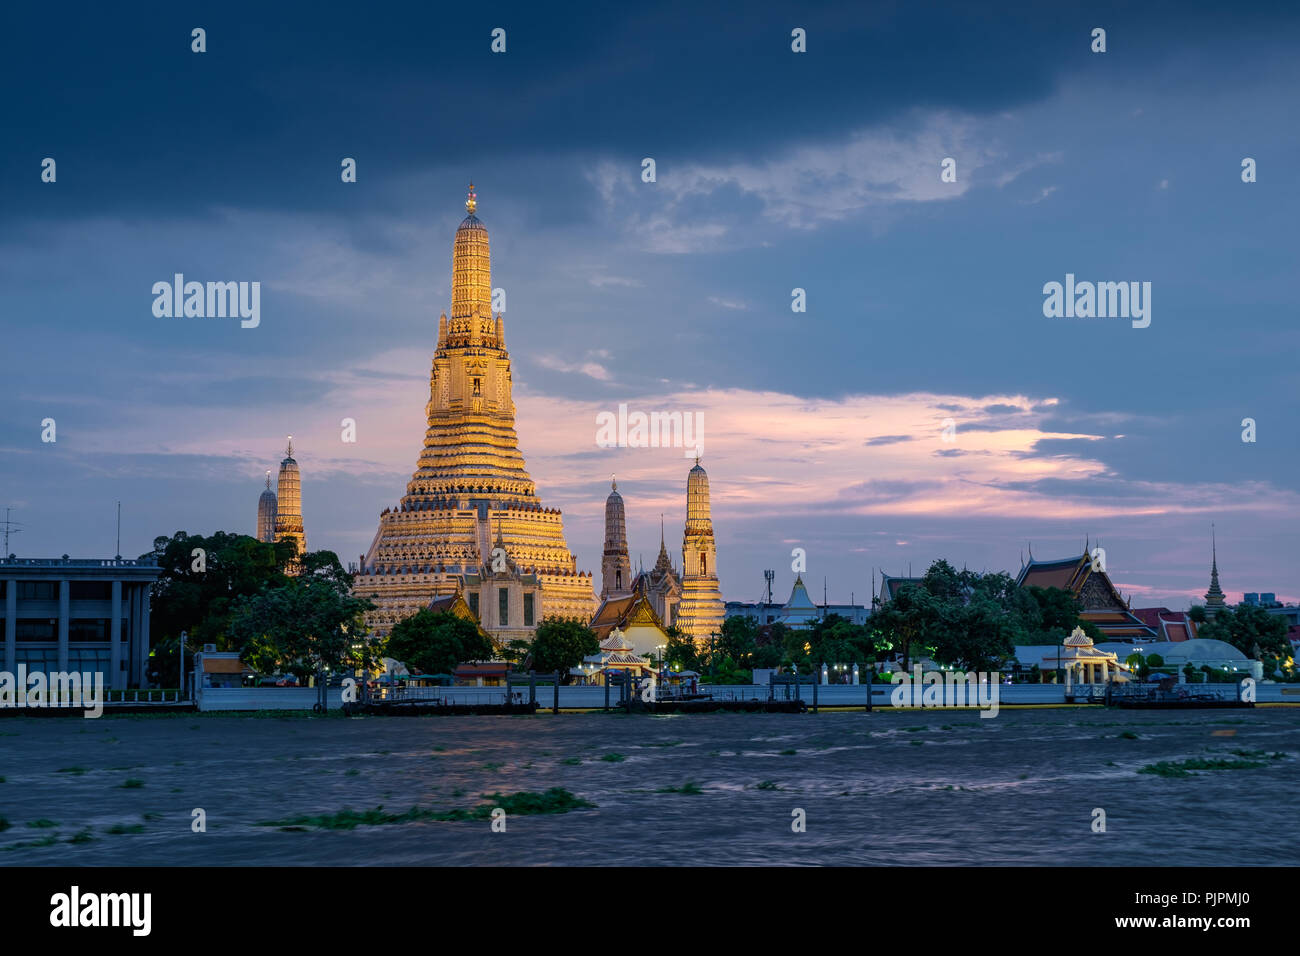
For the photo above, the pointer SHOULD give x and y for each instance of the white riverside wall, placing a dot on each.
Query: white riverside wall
(829, 695)
(256, 698)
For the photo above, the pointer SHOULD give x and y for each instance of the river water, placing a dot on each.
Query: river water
(887, 788)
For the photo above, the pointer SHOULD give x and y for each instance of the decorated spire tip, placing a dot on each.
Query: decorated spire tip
(613, 482)
(471, 203)
(289, 450)
(268, 479)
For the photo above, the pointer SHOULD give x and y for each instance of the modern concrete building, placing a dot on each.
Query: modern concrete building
(75, 614)
(799, 611)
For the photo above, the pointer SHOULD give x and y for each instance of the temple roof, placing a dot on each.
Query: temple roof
(1063, 573)
(1172, 626)
(889, 585)
(616, 642)
(624, 657)
(799, 599)
(618, 612)
(1078, 638)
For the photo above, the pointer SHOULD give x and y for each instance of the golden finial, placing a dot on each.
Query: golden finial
(613, 481)
(472, 202)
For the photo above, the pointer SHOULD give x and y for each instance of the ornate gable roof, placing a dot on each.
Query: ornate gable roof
(1100, 600)
(455, 604)
(622, 612)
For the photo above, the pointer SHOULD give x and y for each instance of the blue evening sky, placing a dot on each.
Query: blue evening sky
(775, 170)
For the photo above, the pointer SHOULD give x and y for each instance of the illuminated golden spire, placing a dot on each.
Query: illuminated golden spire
(288, 515)
(701, 611)
(471, 476)
(471, 277)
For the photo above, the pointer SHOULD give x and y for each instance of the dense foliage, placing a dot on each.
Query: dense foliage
(1254, 632)
(560, 644)
(435, 642)
(232, 590)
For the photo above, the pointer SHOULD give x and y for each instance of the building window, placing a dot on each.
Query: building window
(476, 385)
(38, 590)
(473, 602)
(88, 629)
(618, 580)
(528, 610)
(37, 629)
(503, 606)
(82, 659)
(704, 563)
(38, 658)
(92, 590)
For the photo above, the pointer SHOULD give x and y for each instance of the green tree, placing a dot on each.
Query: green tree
(976, 636)
(1251, 630)
(435, 642)
(562, 643)
(767, 655)
(1058, 616)
(944, 582)
(738, 639)
(681, 652)
(837, 640)
(307, 624)
(908, 622)
(727, 671)
(194, 592)
(795, 648)
(1138, 664)
(202, 579)
(516, 652)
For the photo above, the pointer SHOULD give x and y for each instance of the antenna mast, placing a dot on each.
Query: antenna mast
(11, 527)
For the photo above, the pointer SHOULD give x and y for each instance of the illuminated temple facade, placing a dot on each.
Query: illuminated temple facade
(471, 520)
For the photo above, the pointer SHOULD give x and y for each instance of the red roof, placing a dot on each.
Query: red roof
(1150, 616)
(1173, 626)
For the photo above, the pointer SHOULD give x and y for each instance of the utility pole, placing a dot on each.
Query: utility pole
(11, 527)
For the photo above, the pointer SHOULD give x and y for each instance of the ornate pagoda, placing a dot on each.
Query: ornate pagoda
(700, 611)
(471, 519)
(288, 514)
